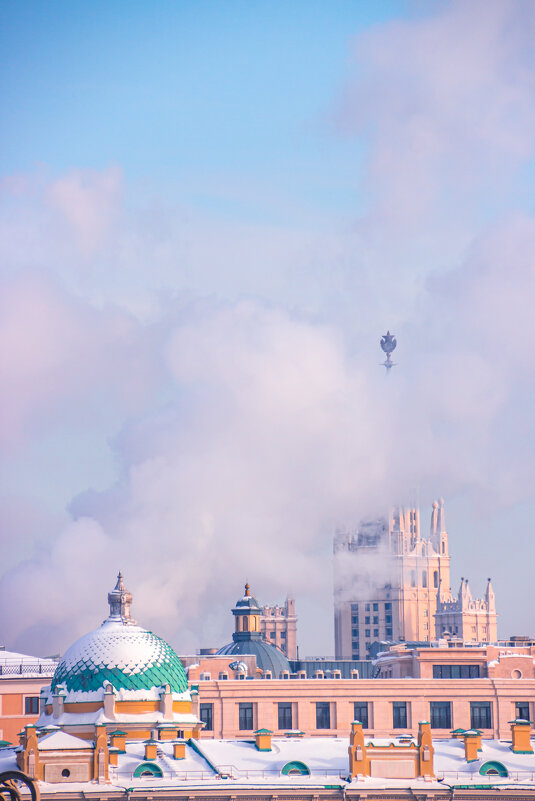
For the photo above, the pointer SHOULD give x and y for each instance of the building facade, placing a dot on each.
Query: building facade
(390, 582)
(471, 619)
(278, 624)
(21, 679)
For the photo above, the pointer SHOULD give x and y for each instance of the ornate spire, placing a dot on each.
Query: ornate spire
(120, 600)
(247, 591)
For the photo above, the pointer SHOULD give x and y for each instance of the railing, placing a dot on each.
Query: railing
(28, 669)
(461, 776)
(225, 772)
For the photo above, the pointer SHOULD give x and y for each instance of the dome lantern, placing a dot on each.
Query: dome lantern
(120, 601)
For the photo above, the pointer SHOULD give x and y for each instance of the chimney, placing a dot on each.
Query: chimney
(472, 744)
(118, 740)
(179, 749)
(521, 734)
(359, 764)
(150, 749)
(426, 750)
(263, 739)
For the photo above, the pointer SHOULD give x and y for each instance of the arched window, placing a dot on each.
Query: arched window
(435, 579)
(413, 578)
(493, 769)
(246, 624)
(424, 578)
(295, 768)
(148, 769)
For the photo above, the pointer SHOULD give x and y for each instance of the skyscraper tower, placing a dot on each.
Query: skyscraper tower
(386, 580)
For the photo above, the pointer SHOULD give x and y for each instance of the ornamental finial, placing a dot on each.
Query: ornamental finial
(247, 593)
(120, 600)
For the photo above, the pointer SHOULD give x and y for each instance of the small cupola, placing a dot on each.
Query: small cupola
(247, 613)
(120, 601)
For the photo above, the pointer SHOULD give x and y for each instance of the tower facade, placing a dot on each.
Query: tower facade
(387, 578)
(472, 619)
(279, 626)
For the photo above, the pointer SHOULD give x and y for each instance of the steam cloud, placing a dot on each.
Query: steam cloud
(244, 406)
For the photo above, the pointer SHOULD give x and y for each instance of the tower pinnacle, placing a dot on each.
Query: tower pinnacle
(120, 600)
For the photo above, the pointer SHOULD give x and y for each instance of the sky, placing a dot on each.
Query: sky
(210, 213)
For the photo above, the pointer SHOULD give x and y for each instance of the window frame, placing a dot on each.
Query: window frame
(285, 707)
(209, 708)
(436, 708)
(245, 708)
(399, 712)
(477, 719)
(323, 714)
(364, 719)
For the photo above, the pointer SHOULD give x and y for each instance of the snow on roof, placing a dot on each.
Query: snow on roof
(12, 657)
(61, 741)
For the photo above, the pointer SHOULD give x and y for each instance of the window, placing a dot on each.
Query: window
(354, 620)
(355, 654)
(323, 715)
(388, 607)
(31, 705)
(376, 607)
(367, 633)
(522, 710)
(367, 607)
(400, 714)
(389, 631)
(440, 714)
(435, 579)
(355, 633)
(388, 619)
(455, 671)
(355, 608)
(376, 620)
(246, 717)
(376, 632)
(367, 620)
(480, 715)
(413, 578)
(360, 712)
(283, 635)
(207, 716)
(285, 716)
(271, 635)
(426, 613)
(424, 579)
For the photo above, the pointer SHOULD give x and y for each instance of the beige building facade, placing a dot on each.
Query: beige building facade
(390, 582)
(278, 624)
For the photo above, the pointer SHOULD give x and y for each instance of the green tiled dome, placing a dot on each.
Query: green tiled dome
(127, 656)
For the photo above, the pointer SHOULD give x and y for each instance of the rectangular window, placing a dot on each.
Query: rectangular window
(355, 655)
(388, 632)
(399, 714)
(522, 710)
(354, 620)
(285, 716)
(355, 608)
(440, 714)
(388, 607)
(246, 717)
(206, 714)
(271, 635)
(323, 715)
(376, 632)
(388, 619)
(367, 607)
(31, 705)
(480, 715)
(367, 620)
(283, 635)
(367, 633)
(360, 712)
(376, 620)
(355, 633)
(376, 607)
(455, 671)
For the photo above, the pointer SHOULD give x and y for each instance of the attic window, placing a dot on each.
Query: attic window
(295, 768)
(148, 769)
(493, 769)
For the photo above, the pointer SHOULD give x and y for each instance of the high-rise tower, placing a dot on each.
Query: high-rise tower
(386, 580)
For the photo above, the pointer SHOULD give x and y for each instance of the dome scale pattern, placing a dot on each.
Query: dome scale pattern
(129, 657)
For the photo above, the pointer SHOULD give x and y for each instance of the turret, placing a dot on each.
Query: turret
(247, 613)
(120, 601)
(490, 598)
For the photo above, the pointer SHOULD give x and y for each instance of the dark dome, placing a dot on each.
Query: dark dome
(268, 657)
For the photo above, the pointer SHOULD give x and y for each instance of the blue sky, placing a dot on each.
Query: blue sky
(210, 213)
